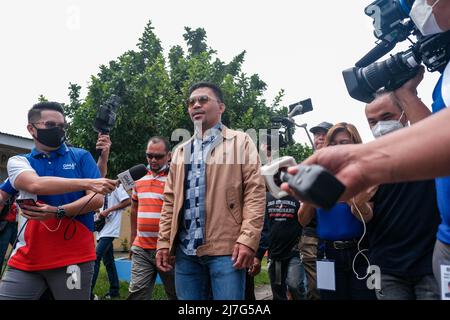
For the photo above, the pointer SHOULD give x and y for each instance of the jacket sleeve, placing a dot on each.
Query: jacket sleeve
(165, 222)
(264, 242)
(254, 196)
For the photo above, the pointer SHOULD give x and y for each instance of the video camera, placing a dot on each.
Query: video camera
(106, 115)
(392, 25)
(278, 122)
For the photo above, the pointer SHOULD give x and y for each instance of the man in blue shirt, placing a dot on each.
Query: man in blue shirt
(55, 247)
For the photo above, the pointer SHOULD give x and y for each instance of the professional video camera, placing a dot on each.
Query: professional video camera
(392, 25)
(106, 116)
(288, 123)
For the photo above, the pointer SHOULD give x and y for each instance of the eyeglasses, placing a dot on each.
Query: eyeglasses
(155, 155)
(52, 124)
(200, 99)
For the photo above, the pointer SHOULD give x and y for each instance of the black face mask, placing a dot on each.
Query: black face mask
(52, 138)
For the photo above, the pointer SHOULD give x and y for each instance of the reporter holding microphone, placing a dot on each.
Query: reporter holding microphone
(55, 248)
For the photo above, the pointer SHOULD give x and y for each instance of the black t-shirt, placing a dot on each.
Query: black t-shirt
(283, 228)
(403, 230)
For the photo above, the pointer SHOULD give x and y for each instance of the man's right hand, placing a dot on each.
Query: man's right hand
(103, 143)
(163, 260)
(102, 185)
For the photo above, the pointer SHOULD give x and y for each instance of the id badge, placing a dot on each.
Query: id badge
(445, 282)
(325, 275)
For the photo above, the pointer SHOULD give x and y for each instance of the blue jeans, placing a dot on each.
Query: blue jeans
(348, 287)
(196, 278)
(105, 251)
(287, 274)
(7, 237)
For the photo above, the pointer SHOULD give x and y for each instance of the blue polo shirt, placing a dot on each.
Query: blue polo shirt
(55, 243)
(64, 162)
(441, 100)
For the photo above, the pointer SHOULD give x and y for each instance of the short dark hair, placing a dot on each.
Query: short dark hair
(217, 91)
(384, 92)
(157, 139)
(34, 113)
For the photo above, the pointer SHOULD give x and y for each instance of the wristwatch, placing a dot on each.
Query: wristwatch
(60, 213)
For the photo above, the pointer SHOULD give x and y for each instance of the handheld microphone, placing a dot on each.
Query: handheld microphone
(313, 184)
(128, 177)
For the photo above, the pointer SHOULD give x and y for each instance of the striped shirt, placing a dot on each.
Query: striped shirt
(148, 193)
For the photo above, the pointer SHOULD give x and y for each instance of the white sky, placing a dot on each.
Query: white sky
(300, 46)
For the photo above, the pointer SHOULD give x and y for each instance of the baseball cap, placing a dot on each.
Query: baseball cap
(321, 126)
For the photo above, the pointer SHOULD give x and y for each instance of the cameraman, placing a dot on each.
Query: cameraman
(424, 153)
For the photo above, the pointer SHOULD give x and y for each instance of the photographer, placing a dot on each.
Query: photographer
(424, 151)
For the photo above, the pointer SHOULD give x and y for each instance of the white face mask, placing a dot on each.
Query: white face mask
(385, 127)
(423, 17)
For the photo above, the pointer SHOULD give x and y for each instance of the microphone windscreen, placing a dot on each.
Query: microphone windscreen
(138, 171)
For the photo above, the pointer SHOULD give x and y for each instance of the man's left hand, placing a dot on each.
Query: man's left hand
(242, 256)
(40, 212)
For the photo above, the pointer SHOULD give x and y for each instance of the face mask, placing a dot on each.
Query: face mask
(385, 127)
(422, 16)
(52, 138)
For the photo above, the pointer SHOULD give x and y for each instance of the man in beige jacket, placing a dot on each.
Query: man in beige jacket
(213, 208)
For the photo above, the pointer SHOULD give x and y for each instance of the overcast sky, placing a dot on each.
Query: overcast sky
(299, 46)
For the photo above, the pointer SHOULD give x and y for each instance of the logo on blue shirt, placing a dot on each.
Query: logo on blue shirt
(69, 166)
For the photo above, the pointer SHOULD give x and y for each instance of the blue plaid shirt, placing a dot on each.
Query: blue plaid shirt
(192, 230)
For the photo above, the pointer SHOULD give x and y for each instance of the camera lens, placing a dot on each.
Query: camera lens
(362, 83)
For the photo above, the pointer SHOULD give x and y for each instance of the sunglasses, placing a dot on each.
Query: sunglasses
(52, 124)
(155, 156)
(200, 99)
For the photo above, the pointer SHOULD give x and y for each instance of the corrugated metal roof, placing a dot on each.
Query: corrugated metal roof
(13, 135)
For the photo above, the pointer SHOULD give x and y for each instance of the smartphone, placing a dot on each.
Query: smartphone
(27, 202)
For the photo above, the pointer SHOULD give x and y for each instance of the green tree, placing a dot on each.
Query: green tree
(154, 92)
(299, 151)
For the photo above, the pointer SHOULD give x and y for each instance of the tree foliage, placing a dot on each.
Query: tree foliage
(154, 89)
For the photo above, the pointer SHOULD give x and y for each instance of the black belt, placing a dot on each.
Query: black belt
(339, 245)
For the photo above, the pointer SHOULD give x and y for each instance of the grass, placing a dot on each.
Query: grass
(102, 285)
(263, 277)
